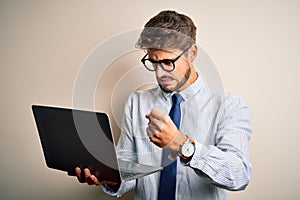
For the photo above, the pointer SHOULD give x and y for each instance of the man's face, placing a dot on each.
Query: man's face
(175, 80)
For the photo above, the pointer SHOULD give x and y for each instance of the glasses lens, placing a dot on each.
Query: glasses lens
(150, 66)
(168, 65)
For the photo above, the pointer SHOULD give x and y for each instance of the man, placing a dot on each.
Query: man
(200, 134)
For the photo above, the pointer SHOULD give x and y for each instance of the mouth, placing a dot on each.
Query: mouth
(165, 80)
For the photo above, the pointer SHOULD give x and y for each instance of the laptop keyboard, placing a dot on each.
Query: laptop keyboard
(128, 174)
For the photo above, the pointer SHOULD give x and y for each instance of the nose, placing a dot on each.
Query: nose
(159, 71)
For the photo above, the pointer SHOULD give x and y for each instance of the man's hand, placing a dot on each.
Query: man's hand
(163, 132)
(85, 176)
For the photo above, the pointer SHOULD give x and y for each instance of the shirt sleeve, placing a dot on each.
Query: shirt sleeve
(125, 150)
(124, 187)
(226, 164)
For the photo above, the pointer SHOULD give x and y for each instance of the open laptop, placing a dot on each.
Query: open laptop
(76, 138)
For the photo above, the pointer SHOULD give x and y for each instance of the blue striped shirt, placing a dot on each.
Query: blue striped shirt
(219, 123)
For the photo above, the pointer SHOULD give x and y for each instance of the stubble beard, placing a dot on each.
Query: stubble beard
(180, 84)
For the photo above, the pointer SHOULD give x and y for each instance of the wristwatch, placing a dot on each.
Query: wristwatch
(187, 149)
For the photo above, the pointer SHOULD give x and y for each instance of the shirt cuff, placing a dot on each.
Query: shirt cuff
(201, 150)
(124, 187)
(111, 191)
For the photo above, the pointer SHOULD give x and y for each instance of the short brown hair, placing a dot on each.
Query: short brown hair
(168, 29)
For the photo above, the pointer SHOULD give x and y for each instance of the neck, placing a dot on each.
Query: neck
(193, 77)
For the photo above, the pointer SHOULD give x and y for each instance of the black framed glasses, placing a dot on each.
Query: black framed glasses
(166, 64)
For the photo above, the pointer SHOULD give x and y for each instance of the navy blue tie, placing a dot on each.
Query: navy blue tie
(167, 182)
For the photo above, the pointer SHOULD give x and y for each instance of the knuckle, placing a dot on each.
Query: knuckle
(149, 132)
(166, 118)
(152, 112)
(162, 126)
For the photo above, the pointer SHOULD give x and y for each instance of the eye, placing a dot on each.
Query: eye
(168, 63)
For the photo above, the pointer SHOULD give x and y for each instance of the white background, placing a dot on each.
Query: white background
(254, 44)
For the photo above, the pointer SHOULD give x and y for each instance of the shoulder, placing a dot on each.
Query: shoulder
(145, 94)
(226, 99)
(234, 108)
(227, 104)
(234, 102)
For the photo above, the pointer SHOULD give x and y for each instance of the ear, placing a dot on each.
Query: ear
(193, 51)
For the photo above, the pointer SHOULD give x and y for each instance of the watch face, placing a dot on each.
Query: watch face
(187, 149)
